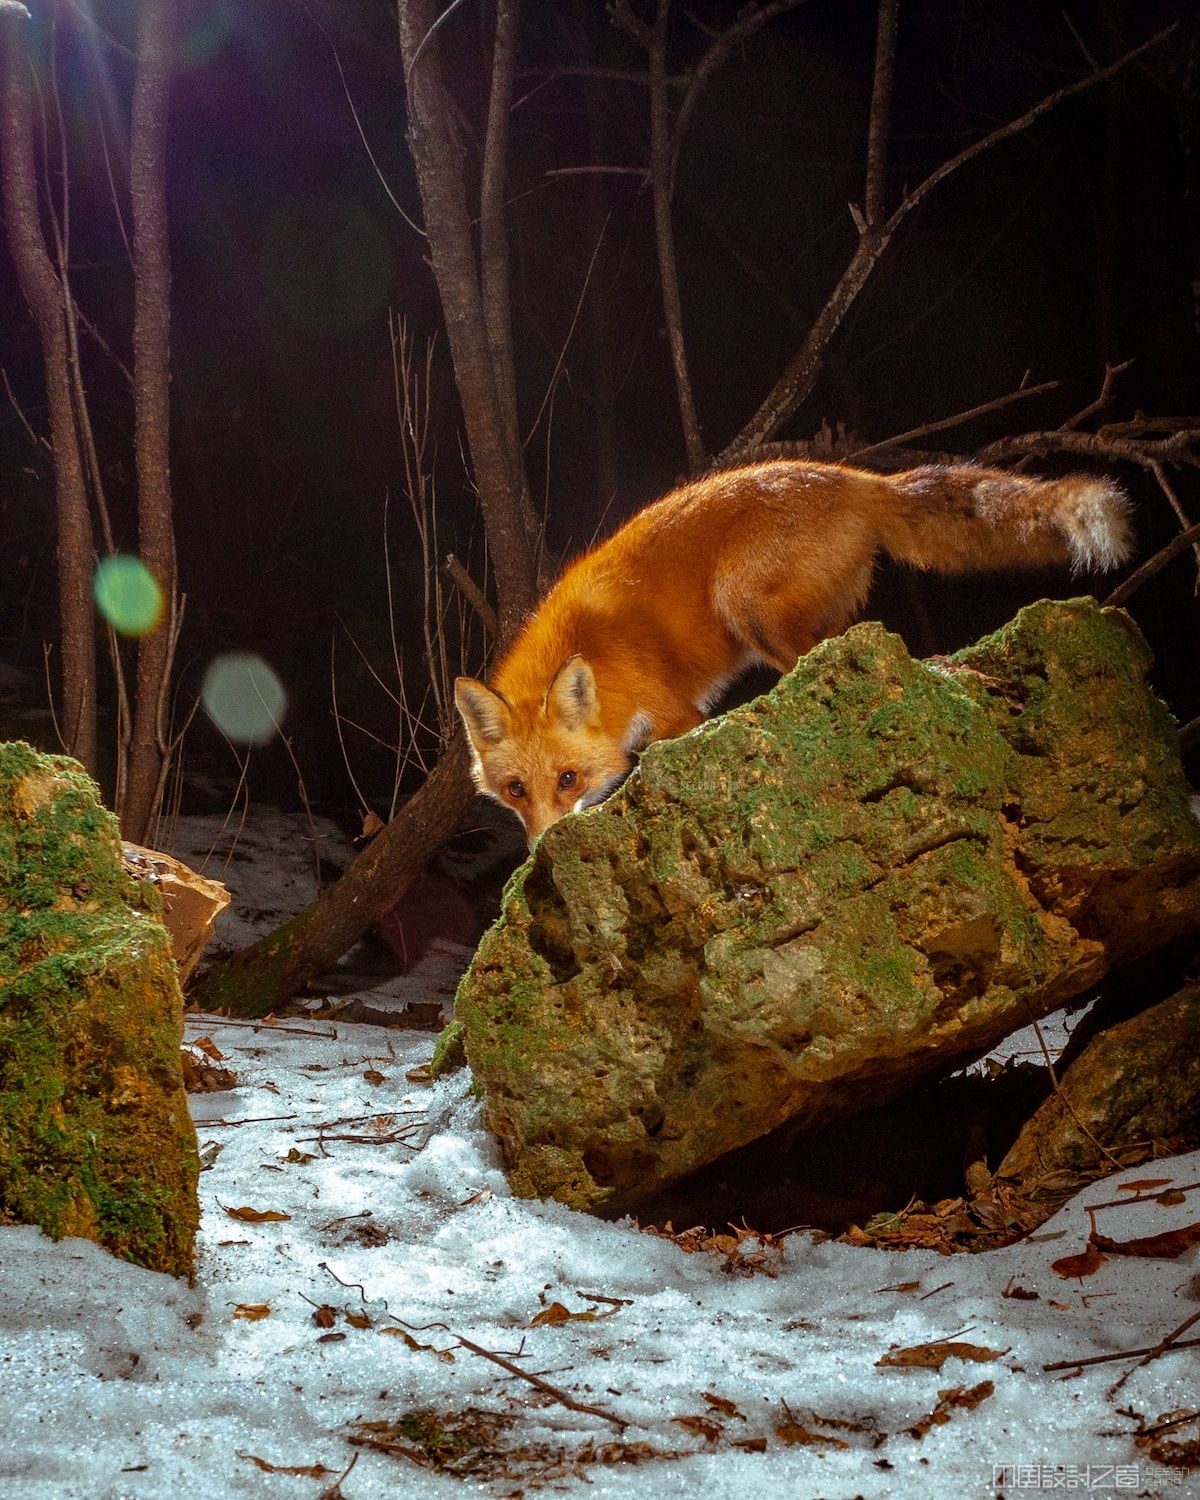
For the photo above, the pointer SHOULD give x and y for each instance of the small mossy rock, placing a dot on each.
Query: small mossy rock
(1137, 1081)
(95, 1135)
(872, 873)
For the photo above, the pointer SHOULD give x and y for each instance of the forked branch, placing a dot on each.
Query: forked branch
(874, 235)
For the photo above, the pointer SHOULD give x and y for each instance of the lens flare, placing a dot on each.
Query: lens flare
(244, 698)
(127, 595)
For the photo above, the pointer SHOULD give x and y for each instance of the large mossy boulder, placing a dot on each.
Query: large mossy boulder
(95, 1136)
(872, 873)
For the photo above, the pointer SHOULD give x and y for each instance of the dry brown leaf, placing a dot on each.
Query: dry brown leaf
(373, 1075)
(306, 1471)
(252, 1311)
(1143, 1185)
(299, 1157)
(702, 1426)
(1172, 1197)
(200, 1077)
(445, 1355)
(324, 1316)
(258, 1215)
(371, 824)
(358, 1320)
(723, 1405)
(956, 1397)
(210, 1049)
(751, 1445)
(793, 1434)
(557, 1313)
(549, 1316)
(934, 1356)
(1086, 1263)
(1169, 1245)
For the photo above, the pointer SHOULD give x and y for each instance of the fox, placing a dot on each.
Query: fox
(641, 635)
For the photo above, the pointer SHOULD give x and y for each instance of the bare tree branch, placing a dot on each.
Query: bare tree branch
(959, 418)
(798, 379)
(751, 19)
(881, 110)
(654, 39)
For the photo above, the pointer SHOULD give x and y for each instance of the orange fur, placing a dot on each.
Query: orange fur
(641, 635)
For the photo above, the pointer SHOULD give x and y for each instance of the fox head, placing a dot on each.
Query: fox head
(546, 756)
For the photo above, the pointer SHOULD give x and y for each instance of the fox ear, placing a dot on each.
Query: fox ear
(571, 698)
(484, 712)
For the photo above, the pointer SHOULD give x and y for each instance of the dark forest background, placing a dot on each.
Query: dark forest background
(290, 188)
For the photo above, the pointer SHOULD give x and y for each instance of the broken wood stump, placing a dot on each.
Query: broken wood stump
(871, 874)
(191, 903)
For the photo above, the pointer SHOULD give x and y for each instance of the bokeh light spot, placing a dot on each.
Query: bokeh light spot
(244, 698)
(326, 264)
(127, 595)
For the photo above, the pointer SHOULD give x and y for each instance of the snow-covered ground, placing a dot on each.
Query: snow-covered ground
(361, 1257)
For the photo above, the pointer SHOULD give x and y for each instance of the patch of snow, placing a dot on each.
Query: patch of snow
(403, 1215)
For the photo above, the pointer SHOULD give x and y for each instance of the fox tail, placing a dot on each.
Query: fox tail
(964, 518)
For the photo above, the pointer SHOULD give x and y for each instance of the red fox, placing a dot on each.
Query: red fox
(641, 635)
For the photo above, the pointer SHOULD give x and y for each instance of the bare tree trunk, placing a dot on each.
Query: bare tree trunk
(151, 394)
(43, 294)
(258, 979)
(438, 155)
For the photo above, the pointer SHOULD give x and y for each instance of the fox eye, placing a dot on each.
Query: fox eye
(515, 789)
(566, 781)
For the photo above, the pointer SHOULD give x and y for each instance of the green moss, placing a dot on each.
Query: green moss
(449, 1054)
(875, 867)
(95, 1137)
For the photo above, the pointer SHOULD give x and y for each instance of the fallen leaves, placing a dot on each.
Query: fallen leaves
(556, 1313)
(1086, 1263)
(257, 1215)
(252, 1312)
(1175, 1452)
(745, 1250)
(1169, 1245)
(305, 1471)
(198, 1064)
(956, 1398)
(794, 1435)
(934, 1356)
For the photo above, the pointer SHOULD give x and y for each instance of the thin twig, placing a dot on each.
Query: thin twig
(960, 418)
(1167, 1344)
(751, 19)
(661, 173)
(1062, 1093)
(800, 376)
(1093, 408)
(473, 594)
(544, 1386)
(1155, 564)
(1106, 1359)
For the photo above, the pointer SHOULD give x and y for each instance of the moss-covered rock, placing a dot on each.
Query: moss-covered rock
(878, 869)
(1137, 1081)
(95, 1136)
